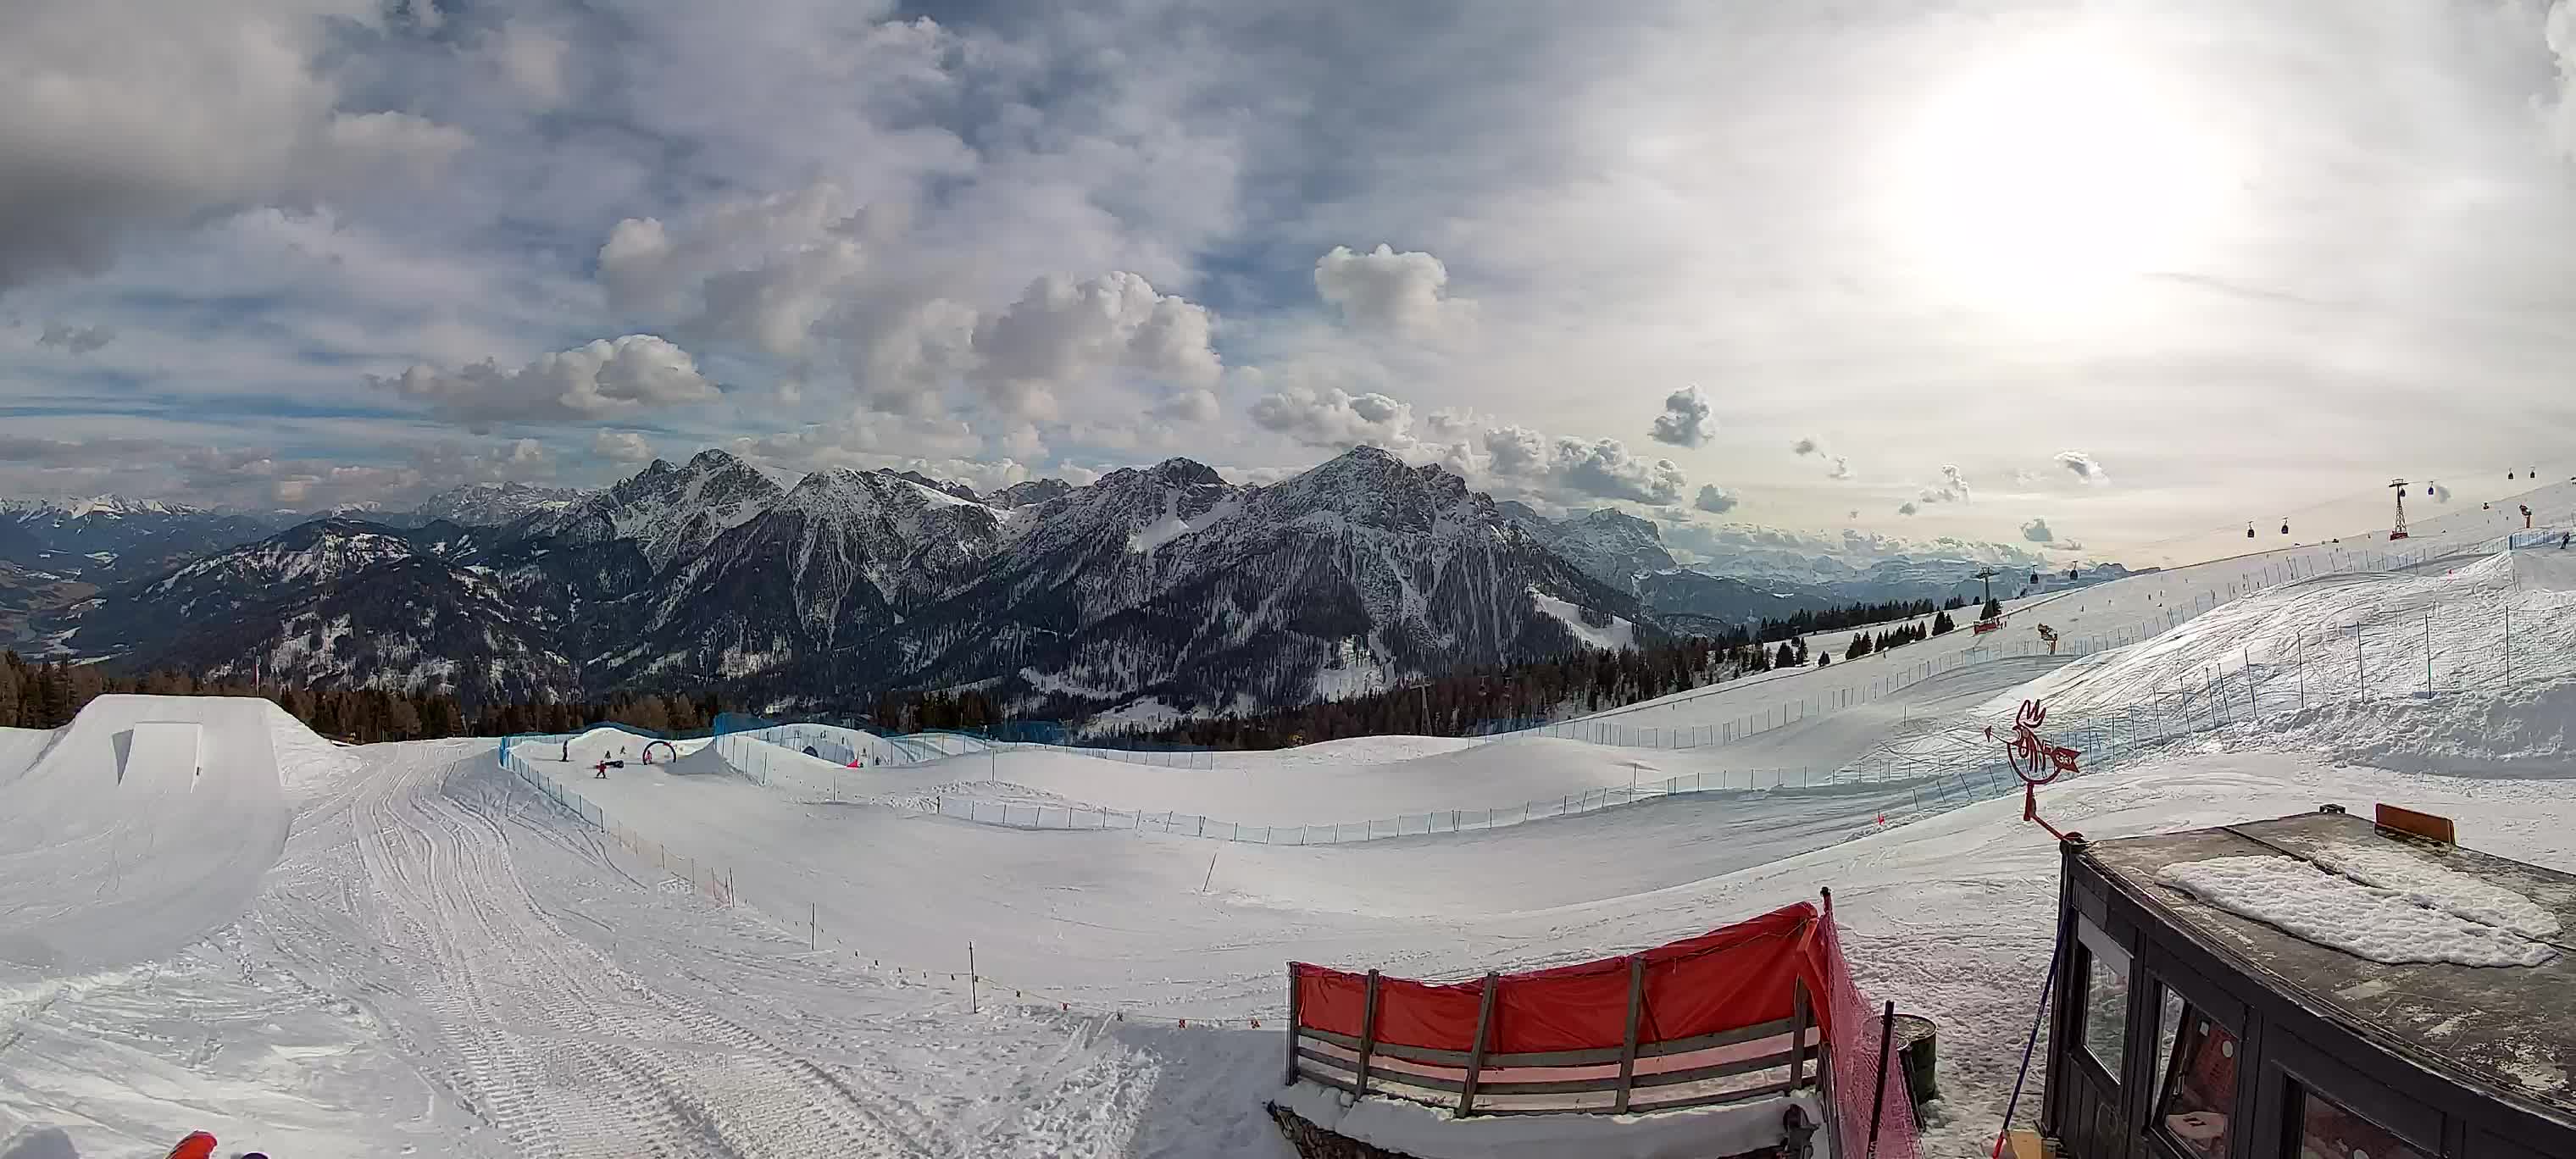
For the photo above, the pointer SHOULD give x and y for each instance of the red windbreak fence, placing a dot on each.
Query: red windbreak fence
(1757, 1009)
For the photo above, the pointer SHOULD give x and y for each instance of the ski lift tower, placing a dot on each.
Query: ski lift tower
(2399, 532)
(1987, 575)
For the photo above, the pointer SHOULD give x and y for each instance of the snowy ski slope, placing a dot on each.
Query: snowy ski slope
(404, 949)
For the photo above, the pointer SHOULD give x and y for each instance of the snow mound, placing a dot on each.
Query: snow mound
(2525, 731)
(107, 859)
(2383, 925)
(307, 764)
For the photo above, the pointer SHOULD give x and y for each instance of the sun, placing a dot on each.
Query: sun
(2036, 180)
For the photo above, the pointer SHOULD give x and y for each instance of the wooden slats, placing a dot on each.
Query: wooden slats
(1628, 1048)
(1611, 1083)
(1600, 1056)
(1476, 1058)
(1368, 1033)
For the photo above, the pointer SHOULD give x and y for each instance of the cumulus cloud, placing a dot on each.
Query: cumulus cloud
(72, 339)
(1190, 406)
(1715, 500)
(1605, 469)
(1062, 332)
(621, 447)
(2083, 466)
(1838, 467)
(761, 271)
(1402, 293)
(1907, 508)
(1687, 420)
(605, 378)
(1952, 489)
(1332, 417)
(2036, 531)
(127, 119)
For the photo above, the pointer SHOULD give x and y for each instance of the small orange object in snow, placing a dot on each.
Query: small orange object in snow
(198, 1145)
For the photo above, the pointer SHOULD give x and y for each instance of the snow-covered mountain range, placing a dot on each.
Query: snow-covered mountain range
(1165, 585)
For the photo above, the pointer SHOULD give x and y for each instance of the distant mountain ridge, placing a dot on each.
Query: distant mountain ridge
(1163, 589)
(1165, 584)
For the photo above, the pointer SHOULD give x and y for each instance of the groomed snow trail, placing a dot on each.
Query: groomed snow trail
(549, 1039)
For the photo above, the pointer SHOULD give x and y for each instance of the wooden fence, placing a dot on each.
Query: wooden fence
(1759, 1061)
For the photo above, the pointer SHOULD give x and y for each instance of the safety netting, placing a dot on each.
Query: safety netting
(1733, 978)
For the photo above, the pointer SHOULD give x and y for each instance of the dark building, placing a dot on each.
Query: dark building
(2186, 1030)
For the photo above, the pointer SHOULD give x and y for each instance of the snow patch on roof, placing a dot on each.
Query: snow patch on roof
(2383, 925)
(2435, 887)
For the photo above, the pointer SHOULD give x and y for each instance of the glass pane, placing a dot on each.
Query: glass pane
(2196, 1109)
(2327, 1131)
(2168, 1024)
(2106, 1011)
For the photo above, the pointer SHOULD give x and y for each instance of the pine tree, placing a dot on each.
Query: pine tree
(1994, 609)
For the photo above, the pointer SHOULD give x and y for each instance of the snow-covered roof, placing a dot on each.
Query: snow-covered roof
(2457, 958)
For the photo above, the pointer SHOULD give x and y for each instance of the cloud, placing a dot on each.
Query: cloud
(1687, 420)
(1063, 332)
(621, 447)
(1907, 508)
(1382, 290)
(1332, 417)
(1840, 467)
(605, 378)
(1953, 489)
(1715, 500)
(2083, 466)
(1603, 468)
(75, 339)
(756, 270)
(126, 119)
(2440, 493)
(72, 452)
(1191, 406)
(2036, 531)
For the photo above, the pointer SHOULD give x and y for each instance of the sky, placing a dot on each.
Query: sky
(2084, 278)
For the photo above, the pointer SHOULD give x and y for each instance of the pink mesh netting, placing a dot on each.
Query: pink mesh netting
(1857, 1030)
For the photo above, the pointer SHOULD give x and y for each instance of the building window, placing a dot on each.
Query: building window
(2327, 1131)
(2106, 1001)
(2168, 1024)
(2199, 1096)
(2106, 1012)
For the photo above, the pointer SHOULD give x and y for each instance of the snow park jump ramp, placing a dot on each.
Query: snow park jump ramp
(144, 824)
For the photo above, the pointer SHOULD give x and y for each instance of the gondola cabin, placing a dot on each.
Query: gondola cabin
(2311, 987)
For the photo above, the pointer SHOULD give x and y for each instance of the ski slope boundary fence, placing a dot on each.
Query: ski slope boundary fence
(1601, 729)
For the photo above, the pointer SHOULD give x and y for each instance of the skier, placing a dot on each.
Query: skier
(198, 1145)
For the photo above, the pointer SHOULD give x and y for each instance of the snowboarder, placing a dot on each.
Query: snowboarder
(198, 1145)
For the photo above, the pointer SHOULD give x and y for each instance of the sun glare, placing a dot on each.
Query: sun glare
(2036, 181)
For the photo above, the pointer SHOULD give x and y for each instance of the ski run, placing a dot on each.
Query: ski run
(211, 918)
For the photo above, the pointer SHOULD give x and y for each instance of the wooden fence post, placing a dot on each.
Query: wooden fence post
(1476, 1056)
(1368, 1037)
(1292, 1024)
(1797, 1034)
(1628, 1048)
